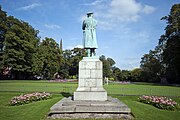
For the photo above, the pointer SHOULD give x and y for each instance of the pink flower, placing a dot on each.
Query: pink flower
(156, 101)
(28, 97)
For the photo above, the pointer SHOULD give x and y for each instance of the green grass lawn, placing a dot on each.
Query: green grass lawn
(143, 111)
(38, 110)
(32, 111)
(34, 86)
(126, 89)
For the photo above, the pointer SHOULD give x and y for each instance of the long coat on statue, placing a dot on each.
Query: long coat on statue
(89, 33)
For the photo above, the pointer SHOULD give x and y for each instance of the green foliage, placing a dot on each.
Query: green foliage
(19, 43)
(151, 66)
(112, 79)
(107, 66)
(71, 61)
(163, 62)
(126, 75)
(171, 44)
(47, 59)
(3, 28)
(76, 56)
(72, 77)
(111, 71)
(117, 74)
(136, 74)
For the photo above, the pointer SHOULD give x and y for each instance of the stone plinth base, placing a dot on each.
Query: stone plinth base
(92, 116)
(68, 108)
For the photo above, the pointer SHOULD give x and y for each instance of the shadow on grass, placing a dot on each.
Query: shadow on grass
(66, 94)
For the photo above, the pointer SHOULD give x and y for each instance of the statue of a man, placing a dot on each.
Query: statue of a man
(89, 35)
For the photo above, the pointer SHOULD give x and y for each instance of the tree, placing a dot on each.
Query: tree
(163, 62)
(72, 58)
(47, 58)
(107, 66)
(117, 74)
(111, 62)
(19, 42)
(77, 55)
(126, 75)
(171, 42)
(151, 66)
(60, 47)
(136, 74)
(3, 28)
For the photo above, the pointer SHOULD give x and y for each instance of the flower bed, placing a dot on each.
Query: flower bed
(27, 98)
(159, 102)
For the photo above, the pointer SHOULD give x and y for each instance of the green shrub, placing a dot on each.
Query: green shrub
(112, 79)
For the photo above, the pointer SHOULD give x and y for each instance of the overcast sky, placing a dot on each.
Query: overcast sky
(127, 29)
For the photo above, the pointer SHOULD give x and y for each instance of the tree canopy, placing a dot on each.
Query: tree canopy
(163, 62)
(18, 43)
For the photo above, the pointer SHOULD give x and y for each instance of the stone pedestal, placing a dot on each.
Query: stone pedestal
(90, 99)
(90, 85)
(112, 108)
